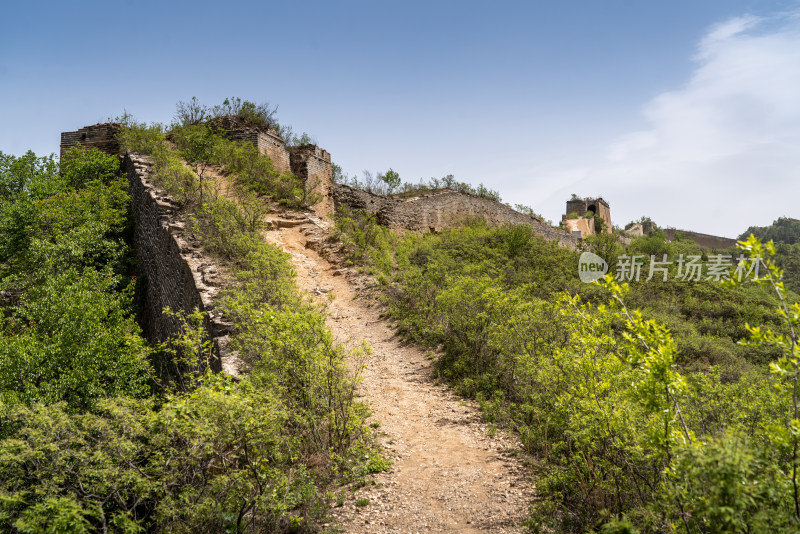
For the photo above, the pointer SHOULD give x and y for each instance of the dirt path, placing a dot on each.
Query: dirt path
(448, 474)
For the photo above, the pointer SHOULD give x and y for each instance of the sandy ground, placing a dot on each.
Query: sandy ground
(449, 474)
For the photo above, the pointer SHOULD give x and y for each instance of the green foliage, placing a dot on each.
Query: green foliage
(788, 258)
(168, 170)
(783, 231)
(249, 112)
(727, 486)
(605, 245)
(80, 167)
(223, 459)
(201, 147)
(392, 180)
(191, 113)
(28, 176)
(364, 240)
(186, 357)
(72, 339)
(654, 244)
(91, 438)
(633, 415)
(53, 220)
(197, 146)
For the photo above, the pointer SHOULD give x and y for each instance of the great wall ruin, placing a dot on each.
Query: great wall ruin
(177, 274)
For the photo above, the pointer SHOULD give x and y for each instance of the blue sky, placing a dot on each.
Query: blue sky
(685, 111)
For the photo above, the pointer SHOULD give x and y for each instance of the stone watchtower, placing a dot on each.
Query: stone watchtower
(580, 207)
(100, 136)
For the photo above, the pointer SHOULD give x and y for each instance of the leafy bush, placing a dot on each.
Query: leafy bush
(597, 392)
(72, 339)
(91, 437)
(223, 459)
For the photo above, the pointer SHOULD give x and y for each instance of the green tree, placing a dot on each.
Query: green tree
(74, 340)
(392, 180)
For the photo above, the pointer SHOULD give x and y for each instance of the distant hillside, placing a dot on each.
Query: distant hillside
(784, 230)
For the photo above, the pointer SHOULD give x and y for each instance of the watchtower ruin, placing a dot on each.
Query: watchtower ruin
(575, 219)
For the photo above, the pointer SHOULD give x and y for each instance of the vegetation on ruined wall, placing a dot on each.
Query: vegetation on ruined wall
(92, 438)
(390, 183)
(247, 113)
(201, 147)
(635, 425)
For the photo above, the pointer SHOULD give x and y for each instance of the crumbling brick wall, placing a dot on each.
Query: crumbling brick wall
(438, 211)
(312, 165)
(266, 140)
(100, 136)
(704, 240)
(598, 206)
(585, 227)
(175, 272)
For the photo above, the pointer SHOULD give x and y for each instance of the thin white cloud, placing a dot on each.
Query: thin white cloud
(722, 152)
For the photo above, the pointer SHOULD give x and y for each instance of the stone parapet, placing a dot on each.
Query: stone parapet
(176, 274)
(437, 211)
(100, 136)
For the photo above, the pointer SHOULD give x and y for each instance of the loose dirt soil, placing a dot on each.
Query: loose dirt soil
(448, 473)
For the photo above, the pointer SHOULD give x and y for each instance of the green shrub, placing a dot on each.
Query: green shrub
(597, 392)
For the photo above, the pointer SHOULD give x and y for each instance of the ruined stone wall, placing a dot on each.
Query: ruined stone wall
(357, 199)
(605, 213)
(312, 165)
(176, 274)
(267, 141)
(100, 136)
(438, 211)
(576, 206)
(704, 240)
(309, 163)
(584, 226)
(271, 145)
(598, 206)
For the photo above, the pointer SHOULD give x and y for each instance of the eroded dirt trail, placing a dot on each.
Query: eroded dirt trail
(448, 474)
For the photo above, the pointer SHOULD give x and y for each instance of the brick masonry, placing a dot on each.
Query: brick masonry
(598, 206)
(584, 227)
(175, 272)
(704, 240)
(437, 211)
(266, 140)
(100, 136)
(310, 163)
